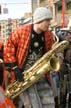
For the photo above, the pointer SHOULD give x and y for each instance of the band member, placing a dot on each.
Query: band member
(1, 63)
(23, 48)
(67, 59)
(65, 73)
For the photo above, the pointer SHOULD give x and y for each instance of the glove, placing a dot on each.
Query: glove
(18, 74)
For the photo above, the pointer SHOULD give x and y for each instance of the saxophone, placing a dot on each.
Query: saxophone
(49, 61)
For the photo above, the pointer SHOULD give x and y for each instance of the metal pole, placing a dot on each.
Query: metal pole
(32, 9)
(63, 9)
(38, 3)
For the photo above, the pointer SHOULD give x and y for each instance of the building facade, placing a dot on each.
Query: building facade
(60, 9)
(8, 26)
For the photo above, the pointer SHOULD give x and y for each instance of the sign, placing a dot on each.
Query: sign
(5, 10)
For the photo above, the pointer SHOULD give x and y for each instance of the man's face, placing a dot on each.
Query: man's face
(44, 25)
(70, 28)
(68, 37)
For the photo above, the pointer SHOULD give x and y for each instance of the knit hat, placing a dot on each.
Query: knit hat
(41, 14)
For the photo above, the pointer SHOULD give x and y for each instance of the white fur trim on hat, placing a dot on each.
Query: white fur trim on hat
(1, 61)
(41, 14)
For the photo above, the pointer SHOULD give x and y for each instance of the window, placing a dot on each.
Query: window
(68, 5)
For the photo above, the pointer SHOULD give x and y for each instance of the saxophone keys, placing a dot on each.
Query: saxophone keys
(17, 90)
(32, 78)
(24, 83)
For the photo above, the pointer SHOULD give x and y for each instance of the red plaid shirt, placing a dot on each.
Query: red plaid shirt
(16, 47)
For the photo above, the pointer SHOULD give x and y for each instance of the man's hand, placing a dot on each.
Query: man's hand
(18, 74)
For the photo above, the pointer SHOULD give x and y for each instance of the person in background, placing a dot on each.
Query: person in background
(67, 58)
(65, 72)
(23, 48)
(4, 102)
(2, 70)
(1, 63)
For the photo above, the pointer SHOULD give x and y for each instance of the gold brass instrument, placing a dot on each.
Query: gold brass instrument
(46, 63)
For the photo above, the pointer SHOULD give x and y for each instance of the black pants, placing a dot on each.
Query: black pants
(63, 100)
(1, 75)
(69, 101)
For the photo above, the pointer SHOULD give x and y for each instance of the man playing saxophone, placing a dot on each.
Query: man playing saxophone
(23, 48)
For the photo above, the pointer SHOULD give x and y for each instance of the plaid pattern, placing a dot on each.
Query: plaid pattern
(16, 47)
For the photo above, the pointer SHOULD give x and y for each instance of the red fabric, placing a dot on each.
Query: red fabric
(18, 41)
(12, 76)
(6, 102)
(47, 75)
(0, 44)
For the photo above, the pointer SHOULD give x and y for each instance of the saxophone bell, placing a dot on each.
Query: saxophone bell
(55, 63)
